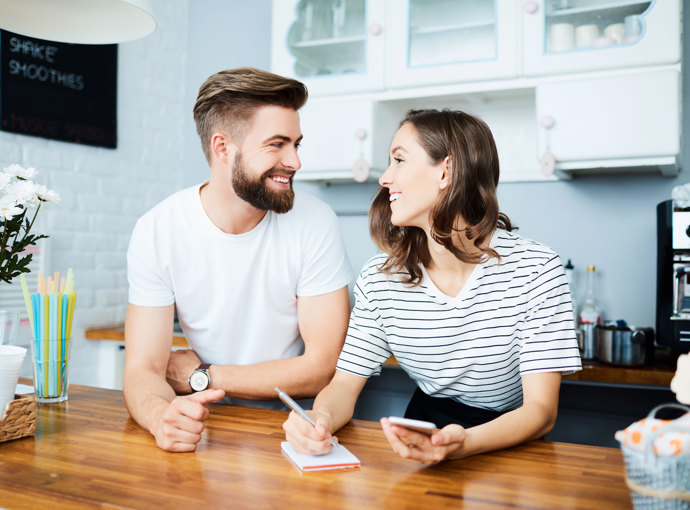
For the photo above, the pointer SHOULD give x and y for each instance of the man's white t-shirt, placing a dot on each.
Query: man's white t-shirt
(236, 295)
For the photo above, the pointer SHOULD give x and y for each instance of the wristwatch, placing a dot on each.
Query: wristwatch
(200, 378)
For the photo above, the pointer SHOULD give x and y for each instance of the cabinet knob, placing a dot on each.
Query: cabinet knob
(547, 122)
(531, 7)
(375, 29)
(360, 170)
(360, 134)
(547, 163)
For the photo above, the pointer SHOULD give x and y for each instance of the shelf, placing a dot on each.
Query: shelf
(609, 10)
(450, 28)
(332, 42)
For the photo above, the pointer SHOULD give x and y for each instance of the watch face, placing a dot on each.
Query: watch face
(199, 380)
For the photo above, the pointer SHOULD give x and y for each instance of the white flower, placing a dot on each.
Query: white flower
(46, 195)
(15, 170)
(4, 181)
(8, 208)
(21, 192)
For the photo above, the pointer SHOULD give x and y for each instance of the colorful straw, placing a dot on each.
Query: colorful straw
(51, 311)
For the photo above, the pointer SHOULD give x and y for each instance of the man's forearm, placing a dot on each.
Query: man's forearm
(299, 377)
(146, 395)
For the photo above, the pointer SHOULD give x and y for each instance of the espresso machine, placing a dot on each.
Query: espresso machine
(673, 277)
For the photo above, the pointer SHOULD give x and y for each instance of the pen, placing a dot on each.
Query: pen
(287, 400)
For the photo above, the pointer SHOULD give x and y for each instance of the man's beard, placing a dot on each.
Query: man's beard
(257, 193)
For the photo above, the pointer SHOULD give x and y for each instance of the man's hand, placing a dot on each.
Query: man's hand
(179, 427)
(180, 366)
(422, 448)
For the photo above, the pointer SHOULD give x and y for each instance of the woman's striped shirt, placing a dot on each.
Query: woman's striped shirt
(511, 317)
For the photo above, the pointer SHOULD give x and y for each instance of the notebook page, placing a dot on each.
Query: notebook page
(338, 458)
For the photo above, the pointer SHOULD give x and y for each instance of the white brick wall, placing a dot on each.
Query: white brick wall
(104, 191)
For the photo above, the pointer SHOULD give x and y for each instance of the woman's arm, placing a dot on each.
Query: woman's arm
(333, 408)
(535, 418)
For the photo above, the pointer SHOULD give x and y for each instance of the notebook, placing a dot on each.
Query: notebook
(338, 458)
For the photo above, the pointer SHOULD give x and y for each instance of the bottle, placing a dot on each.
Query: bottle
(590, 313)
(570, 276)
(590, 316)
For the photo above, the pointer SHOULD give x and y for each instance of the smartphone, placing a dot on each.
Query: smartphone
(424, 427)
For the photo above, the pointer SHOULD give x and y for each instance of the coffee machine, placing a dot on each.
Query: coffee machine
(673, 277)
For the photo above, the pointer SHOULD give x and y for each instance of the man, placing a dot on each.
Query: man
(257, 272)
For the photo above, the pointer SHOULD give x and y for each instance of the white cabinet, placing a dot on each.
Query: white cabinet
(445, 41)
(335, 47)
(565, 36)
(628, 120)
(346, 139)
(603, 74)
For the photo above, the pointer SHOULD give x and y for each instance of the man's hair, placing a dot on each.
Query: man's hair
(471, 196)
(228, 99)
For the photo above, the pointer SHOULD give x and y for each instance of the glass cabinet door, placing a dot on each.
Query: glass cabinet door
(577, 35)
(331, 45)
(441, 41)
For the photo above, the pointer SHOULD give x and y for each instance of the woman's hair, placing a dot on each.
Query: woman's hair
(471, 196)
(228, 99)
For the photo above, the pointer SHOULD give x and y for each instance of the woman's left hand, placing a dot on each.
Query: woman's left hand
(409, 444)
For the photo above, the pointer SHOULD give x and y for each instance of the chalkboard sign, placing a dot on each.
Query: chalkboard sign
(60, 91)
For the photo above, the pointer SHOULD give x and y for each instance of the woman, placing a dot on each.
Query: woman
(480, 318)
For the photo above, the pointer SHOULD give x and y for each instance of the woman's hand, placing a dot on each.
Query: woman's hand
(304, 437)
(443, 444)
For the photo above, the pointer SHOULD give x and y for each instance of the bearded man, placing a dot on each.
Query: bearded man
(257, 272)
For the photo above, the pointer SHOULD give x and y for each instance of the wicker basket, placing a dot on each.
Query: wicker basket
(19, 419)
(658, 481)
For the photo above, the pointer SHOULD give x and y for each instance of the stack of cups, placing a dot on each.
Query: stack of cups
(11, 359)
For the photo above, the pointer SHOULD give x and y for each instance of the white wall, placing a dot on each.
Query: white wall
(104, 191)
(223, 34)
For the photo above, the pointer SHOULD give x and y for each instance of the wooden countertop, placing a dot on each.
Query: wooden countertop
(659, 374)
(88, 453)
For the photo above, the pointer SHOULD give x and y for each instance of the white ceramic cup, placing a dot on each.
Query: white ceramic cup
(615, 31)
(561, 37)
(11, 359)
(604, 41)
(633, 25)
(585, 35)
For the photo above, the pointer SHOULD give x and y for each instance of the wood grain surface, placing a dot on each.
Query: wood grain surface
(88, 453)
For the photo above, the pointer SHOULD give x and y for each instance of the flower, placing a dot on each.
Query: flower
(14, 170)
(18, 194)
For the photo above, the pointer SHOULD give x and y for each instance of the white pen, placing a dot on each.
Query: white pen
(287, 400)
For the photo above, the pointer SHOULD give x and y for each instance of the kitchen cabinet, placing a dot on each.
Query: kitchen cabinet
(629, 120)
(352, 141)
(445, 41)
(565, 36)
(334, 46)
(566, 86)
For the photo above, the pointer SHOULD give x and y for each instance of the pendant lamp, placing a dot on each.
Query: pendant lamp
(78, 21)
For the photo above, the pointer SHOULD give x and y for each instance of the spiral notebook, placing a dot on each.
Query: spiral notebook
(338, 458)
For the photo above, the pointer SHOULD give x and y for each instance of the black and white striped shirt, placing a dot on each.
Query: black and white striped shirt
(512, 317)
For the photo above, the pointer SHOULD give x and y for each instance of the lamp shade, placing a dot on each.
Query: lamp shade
(78, 21)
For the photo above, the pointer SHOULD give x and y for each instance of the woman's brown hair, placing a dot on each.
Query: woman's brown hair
(471, 196)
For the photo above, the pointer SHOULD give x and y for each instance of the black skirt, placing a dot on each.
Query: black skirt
(444, 411)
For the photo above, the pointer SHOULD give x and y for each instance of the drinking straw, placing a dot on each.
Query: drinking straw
(70, 281)
(58, 340)
(27, 302)
(46, 335)
(62, 284)
(56, 280)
